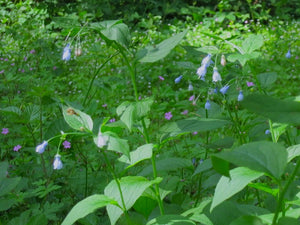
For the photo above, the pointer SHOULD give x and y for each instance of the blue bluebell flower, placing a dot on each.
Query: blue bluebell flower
(67, 53)
(216, 75)
(240, 96)
(206, 61)
(190, 88)
(288, 54)
(224, 89)
(178, 79)
(201, 72)
(57, 163)
(41, 147)
(267, 131)
(207, 105)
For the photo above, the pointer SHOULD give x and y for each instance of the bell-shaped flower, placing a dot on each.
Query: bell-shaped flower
(57, 163)
(201, 72)
(224, 89)
(101, 140)
(206, 60)
(216, 75)
(288, 54)
(207, 105)
(223, 60)
(67, 53)
(178, 79)
(240, 96)
(190, 88)
(41, 147)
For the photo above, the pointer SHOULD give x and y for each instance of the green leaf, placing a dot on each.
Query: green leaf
(145, 205)
(8, 184)
(293, 151)
(141, 153)
(38, 220)
(76, 119)
(12, 109)
(208, 49)
(3, 169)
(170, 220)
(127, 111)
(205, 165)
(87, 206)
(220, 165)
(132, 188)
(143, 107)
(278, 130)
(154, 53)
(118, 145)
(242, 58)
(277, 110)
(168, 164)
(114, 30)
(265, 188)
(227, 187)
(247, 220)
(191, 125)
(267, 157)
(252, 43)
(288, 220)
(6, 204)
(266, 79)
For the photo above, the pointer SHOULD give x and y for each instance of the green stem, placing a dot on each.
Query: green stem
(282, 193)
(145, 131)
(117, 182)
(95, 74)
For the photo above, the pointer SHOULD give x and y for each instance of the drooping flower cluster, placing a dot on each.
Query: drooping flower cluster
(201, 71)
(67, 53)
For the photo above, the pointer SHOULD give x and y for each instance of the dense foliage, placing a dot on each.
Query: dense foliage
(180, 113)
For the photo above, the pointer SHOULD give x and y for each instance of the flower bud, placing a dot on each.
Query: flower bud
(223, 60)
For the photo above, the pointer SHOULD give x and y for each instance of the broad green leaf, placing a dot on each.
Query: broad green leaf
(277, 110)
(40, 219)
(292, 213)
(127, 111)
(114, 30)
(6, 204)
(293, 151)
(265, 188)
(220, 165)
(154, 53)
(252, 43)
(145, 205)
(118, 145)
(247, 220)
(278, 130)
(266, 79)
(227, 187)
(205, 165)
(8, 184)
(242, 58)
(132, 188)
(191, 125)
(168, 164)
(3, 169)
(141, 153)
(76, 119)
(288, 221)
(170, 220)
(143, 107)
(87, 206)
(267, 157)
(208, 49)
(12, 109)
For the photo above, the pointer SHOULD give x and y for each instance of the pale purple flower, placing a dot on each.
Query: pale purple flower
(6, 59)
(207, 105)
(195, 133)
(5, 131)
(201, 71)
(240, 96)
(224, 89)
(57, 163)
(250, 84)
(32, 51)
(66, 144)
(206, 61)
(161, 77)
(216, 75)
(168, 115)
(112, 120)
(54, 67)
(185, 112)
(12, 64)
(17, 148)
(22, 70)
(67, 53)
(30, 69)
(25, 58)
(104, 105)
(41, 147)
(288, 55)
(178, 79)
(192, 98)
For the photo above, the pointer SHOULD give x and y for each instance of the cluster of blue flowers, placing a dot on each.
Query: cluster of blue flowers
(57, 163)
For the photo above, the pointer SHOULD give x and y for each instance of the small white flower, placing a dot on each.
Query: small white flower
(216, 75)
(41, 147)
(201, 71)
(190, 87)
(102, 140)
(206, 61)
(57, 163)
